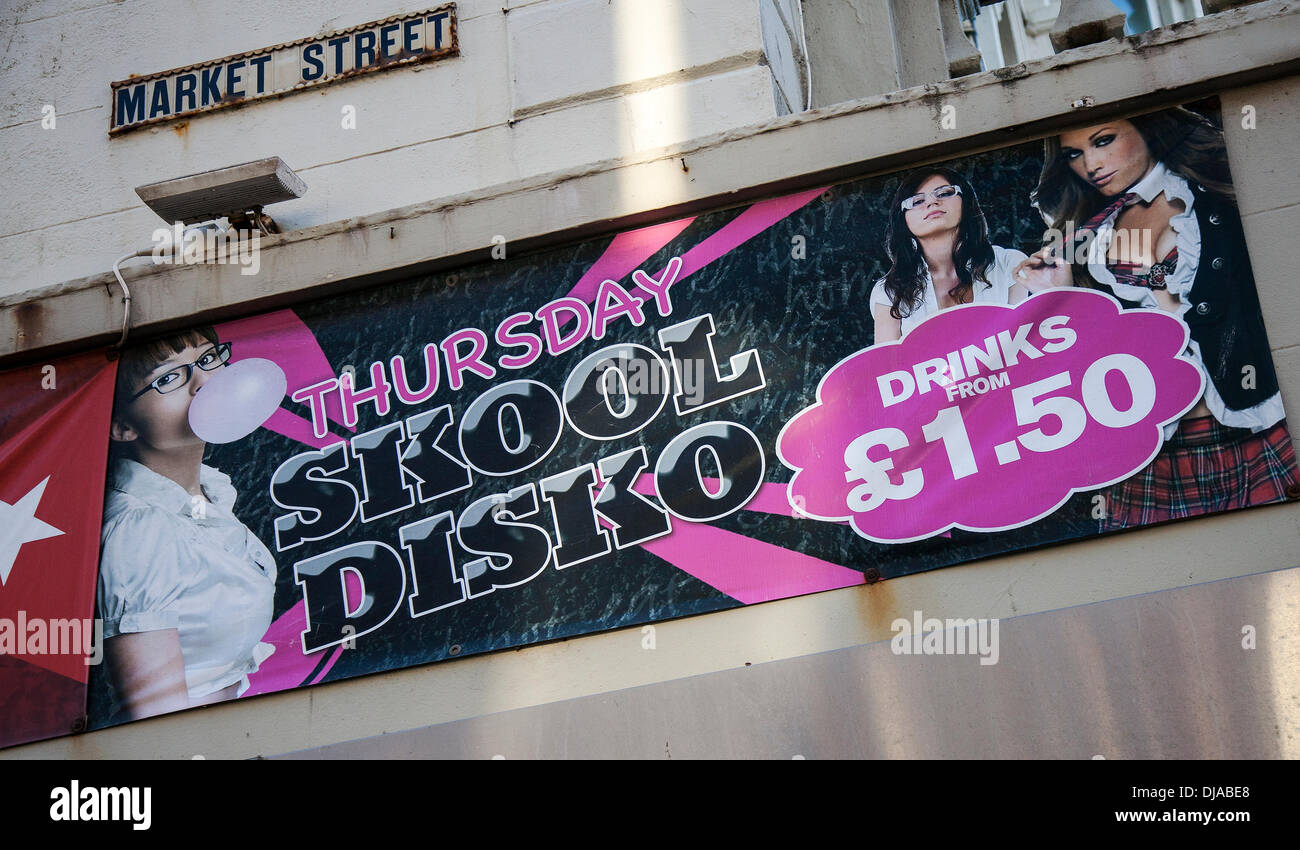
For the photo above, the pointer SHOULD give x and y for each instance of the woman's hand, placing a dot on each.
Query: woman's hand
(1044, 270)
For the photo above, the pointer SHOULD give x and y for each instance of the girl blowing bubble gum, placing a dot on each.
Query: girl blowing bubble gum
(185, 589)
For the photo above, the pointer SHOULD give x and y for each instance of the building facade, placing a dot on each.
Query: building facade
(559, 121)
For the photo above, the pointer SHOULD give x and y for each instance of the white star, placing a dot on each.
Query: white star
(19, 525)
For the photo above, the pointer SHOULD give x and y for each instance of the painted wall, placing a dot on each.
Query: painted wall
(539, 86)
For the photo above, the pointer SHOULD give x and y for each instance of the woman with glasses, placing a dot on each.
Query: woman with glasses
(185, 589)
(938, 242)
(1149, 201)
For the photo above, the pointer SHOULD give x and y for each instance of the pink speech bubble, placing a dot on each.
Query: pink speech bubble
(988, 417)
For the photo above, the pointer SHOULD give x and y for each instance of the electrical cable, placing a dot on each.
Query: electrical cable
(807, 62)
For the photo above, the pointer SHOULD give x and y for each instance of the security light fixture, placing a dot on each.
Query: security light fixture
(237, 193)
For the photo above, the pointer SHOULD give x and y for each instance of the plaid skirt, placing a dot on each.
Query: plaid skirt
(1205, 468)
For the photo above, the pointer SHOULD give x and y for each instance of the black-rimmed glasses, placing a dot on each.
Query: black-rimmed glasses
(938, 194)
(173, 379)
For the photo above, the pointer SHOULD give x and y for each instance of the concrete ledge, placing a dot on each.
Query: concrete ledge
(1178, 554)
(877, 134)
(1159, 675)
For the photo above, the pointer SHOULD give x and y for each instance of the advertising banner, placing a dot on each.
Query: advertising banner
(843, 385)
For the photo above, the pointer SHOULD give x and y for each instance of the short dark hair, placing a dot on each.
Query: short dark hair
(139, 360)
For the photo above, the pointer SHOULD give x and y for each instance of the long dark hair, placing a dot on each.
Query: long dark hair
(1187, 143)
(971, 255)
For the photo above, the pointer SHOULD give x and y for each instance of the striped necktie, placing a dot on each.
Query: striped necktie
(1124, 200)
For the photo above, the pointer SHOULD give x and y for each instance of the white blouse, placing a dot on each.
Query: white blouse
(1187, 233)
(997, 291)
(170, 561)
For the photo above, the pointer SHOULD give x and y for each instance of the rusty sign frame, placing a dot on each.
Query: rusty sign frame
(451, 48)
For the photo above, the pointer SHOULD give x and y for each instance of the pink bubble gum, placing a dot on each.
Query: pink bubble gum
(237, 400)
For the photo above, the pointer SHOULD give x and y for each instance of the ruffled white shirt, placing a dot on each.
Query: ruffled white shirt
(170, 561)
(1187, 232)
(998, 291)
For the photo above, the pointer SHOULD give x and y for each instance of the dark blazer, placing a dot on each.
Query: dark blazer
(1225, 317)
